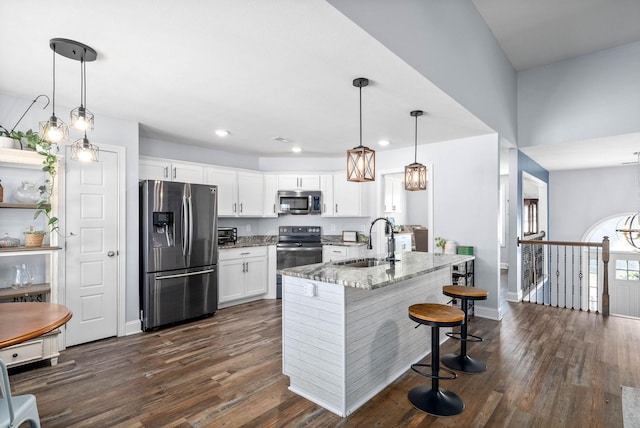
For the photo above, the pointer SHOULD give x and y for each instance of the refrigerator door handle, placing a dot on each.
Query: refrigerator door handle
(190, 225)
(180, 275)
(185, 226)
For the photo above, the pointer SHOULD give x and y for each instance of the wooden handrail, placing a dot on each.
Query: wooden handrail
(568, 243)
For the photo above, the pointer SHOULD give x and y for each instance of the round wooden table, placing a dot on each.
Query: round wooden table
(22, 321)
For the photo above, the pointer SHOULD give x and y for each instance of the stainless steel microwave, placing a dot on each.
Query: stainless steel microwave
(299, 202)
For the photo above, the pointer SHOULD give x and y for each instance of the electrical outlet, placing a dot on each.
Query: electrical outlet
(248, 228)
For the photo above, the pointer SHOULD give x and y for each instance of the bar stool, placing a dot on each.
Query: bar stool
(463, 362)
(435, 400)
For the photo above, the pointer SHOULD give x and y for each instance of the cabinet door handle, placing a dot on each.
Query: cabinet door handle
(244, 254)
(166, 172)
(274, 208)
(247, 266)
(174, 172)
(324, 208)
(234, 207)
(394, 207)
(240, 206)
(336, 208)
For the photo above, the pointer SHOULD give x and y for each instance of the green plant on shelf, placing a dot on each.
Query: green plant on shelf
(440, 243)
(48, 151)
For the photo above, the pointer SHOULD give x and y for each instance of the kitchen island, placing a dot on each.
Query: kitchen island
(346, 330)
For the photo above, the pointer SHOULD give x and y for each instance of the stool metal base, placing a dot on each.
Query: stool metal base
(464, 363)
(440, 402)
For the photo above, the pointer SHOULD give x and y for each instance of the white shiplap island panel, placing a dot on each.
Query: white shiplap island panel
(344, 344)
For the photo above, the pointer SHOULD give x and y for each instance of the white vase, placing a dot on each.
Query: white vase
(9, 143)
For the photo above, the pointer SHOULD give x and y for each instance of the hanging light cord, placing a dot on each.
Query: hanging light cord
(82, 85)
(53, 104)
(360, 88)
(638, 171)
(415, 156)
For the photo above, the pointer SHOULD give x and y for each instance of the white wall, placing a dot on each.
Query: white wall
(587, 97)
(466, 202)
(580, 198)
(176, 151)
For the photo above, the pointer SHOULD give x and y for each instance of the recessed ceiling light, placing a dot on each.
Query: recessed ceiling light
(384, 142)
(296, 149)
(282, 140)
(222, 132)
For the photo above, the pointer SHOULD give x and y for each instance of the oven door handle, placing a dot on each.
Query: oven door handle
(299, 249)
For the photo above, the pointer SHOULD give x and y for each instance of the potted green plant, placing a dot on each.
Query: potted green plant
(440, 243)
(33, 238)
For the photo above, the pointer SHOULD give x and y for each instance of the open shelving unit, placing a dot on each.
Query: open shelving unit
(25, 165)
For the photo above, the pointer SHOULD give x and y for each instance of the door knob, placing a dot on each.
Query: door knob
(111, 253)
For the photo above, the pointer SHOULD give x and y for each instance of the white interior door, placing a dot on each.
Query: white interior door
(624, 284)
(91, 258)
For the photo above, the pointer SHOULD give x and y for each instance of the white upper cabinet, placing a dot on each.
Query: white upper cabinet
(298, 182)
(326, 187)
(270, 195)
(393, 194)
(349, 198)
(250, 194)
(227, 182)
(164, 169)
(240, 193)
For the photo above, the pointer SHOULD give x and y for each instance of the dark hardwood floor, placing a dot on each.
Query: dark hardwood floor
(548, 367)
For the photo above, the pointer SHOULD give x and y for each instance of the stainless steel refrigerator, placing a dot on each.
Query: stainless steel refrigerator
(178, 252)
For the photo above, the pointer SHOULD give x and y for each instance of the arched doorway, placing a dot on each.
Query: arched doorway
(624, 267)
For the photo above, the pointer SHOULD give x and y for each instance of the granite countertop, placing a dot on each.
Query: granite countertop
(251, 241)
(261, 240)
(412, 264)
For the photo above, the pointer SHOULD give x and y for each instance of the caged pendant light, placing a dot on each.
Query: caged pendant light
(81, 118)
(361, 160)
(415, 174)
(631, 228)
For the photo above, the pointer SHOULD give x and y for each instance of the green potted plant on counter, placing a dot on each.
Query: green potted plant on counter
(440, 243)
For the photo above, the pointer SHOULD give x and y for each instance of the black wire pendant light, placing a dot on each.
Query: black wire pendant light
(361, 160)
(81, 118)
(631, 228)
(415, 174)
(54, 130)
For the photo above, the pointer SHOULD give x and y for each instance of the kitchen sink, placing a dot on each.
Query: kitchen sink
(362, 263)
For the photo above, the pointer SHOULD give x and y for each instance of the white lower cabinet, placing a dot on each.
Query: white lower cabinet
(243, 275)
(403, 242)
(334, 253)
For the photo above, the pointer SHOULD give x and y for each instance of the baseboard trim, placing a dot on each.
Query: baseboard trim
(132, 327)
(512, 296)
(489, 313)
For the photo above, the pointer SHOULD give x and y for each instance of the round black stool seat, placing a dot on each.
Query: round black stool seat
(435, 400)
(463, 362)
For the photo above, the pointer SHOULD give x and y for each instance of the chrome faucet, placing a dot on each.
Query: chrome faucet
(391, 241)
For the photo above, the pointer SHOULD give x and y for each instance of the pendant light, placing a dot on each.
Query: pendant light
(54, 130)
(81, 118)
(415, 174)
(631, 229)
(361, 160)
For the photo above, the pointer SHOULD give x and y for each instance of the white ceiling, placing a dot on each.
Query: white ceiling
(265, 69)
